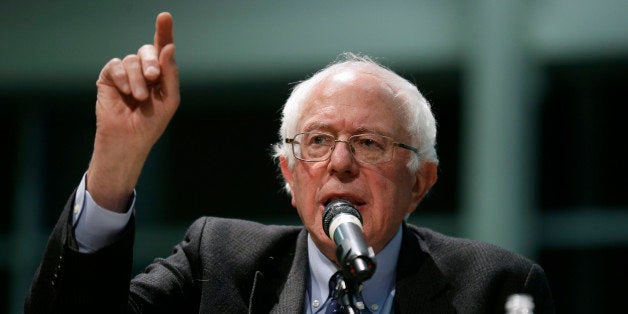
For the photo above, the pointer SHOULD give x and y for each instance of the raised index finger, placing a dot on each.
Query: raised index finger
(163, 31)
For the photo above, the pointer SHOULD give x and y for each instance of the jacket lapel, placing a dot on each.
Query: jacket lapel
(421, 286)
(279, 286)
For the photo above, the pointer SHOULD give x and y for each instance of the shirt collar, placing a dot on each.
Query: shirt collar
(321, 269)
(376, 289)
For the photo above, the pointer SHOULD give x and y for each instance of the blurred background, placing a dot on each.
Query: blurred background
(529, 98)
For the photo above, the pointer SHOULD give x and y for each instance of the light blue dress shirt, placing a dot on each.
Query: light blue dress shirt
(94, 226)
(378, 292)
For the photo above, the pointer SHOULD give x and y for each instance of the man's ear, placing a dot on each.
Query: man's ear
(288, 176)
(425, 178)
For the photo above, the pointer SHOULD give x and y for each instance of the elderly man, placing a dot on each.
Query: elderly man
(354, 131)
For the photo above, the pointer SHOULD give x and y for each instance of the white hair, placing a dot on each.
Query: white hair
(420, 122)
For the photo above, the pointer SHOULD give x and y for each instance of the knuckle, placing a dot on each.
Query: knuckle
(130, 58)
(131, 62)
(118, 74)
(146, 49)
(113, 63)
(112, 70)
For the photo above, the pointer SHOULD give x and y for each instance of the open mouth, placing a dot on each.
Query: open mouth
(355, 201)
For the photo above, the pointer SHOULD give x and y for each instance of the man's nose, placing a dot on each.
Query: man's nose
(342, 160)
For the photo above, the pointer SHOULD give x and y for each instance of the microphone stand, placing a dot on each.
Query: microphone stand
(348, 295)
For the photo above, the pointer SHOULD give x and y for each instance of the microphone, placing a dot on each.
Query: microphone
(342, 223)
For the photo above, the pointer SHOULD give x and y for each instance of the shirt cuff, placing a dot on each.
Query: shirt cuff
(94, 226)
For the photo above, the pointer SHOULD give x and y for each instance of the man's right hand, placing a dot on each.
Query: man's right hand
(137, 97)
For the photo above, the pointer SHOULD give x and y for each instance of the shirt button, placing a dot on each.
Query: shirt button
(77, 208)
(360, 305)
(374, 307)
(316, 303)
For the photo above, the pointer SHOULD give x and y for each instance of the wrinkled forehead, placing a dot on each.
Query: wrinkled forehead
(351, 89)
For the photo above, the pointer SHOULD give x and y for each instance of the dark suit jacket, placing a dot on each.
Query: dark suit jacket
(235, 266)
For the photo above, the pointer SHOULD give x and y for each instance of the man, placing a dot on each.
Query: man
(354, 131)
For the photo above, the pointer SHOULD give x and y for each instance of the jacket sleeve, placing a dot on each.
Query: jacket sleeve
(171, 285)
(67, 281)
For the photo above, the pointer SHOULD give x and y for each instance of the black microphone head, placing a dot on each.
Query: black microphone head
(334, 208)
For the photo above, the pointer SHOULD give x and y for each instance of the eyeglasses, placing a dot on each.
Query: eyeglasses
(367, 148)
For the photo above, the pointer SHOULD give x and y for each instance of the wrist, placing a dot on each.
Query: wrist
(111, 178)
